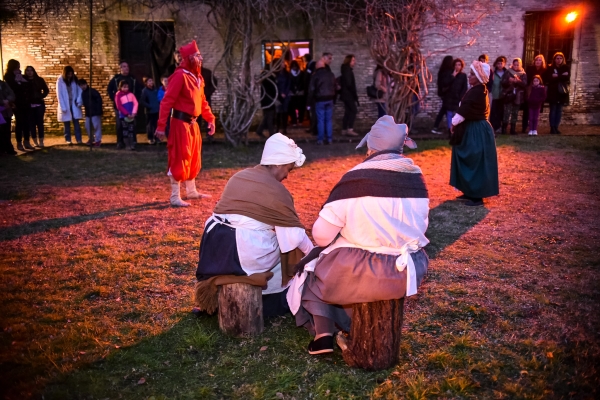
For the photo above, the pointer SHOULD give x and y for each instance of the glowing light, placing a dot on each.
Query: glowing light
(571, 16)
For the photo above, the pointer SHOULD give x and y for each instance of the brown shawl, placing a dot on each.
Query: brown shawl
(256, 194)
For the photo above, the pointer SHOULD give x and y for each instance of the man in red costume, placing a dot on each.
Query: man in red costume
(185, 96)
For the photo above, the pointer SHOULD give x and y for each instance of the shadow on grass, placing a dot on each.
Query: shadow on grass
(195, 360)
(448, 222)
(17, 231)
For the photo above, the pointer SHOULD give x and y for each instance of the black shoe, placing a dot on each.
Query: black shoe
(120, 146)
(557, 131)
(474, 203)
(513, 128)
(553, 131)
(322, 345)
(504, 128)
(463, 197)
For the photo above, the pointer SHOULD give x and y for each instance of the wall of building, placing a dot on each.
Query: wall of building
(48, 44)
(502, 34)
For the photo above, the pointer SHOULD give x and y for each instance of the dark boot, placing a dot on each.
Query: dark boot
(553, 130)
(513, 126)
(557, 131)
(504, 124)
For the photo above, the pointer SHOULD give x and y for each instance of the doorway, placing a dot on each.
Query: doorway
(148, 49)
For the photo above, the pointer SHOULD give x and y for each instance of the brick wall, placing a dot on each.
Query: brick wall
(48, 44)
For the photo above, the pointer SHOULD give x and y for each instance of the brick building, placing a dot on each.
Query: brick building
(519, 29)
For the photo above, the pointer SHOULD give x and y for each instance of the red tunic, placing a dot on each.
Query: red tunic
(184, 93)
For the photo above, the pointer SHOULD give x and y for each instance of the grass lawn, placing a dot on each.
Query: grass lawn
(96, 272)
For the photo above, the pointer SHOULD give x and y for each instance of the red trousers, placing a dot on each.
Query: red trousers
(184, 145)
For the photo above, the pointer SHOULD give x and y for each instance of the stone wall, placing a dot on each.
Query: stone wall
(49, 43)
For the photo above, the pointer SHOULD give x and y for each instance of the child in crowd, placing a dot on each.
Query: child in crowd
(161, 94)
(93, 112)
(127, 105)
(151, 106)
(537, 96)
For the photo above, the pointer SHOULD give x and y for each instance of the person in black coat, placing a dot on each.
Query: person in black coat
(457, 88)
(311, 66)
(92, 102)
(7, 98)
(349, 95)
(557, 78)
(38, 90)
(297, 93)
(444, 79)
(284, 83)
(20, 87)
(268, 93)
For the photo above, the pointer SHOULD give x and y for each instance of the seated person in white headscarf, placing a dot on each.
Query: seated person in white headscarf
(372, 228)
(254, 232)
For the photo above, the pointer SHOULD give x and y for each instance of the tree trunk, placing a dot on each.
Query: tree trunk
(240, 310)
(374, 339)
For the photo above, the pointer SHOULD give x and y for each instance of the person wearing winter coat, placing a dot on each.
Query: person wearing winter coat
(93, 112)
(284, 86)
(535, 100)
(7, 97)
(149, 100)
(38, 90)
(297, 93)
(495, 88)
(514, 83)
(456, 90)
(20, 87)
(348, 95)
(268, 92)
(557, 78)
(444, 79)
(321, 94)
(381, 80)
(113, 88)
(538, 68)
(68, 94)
(127, 105)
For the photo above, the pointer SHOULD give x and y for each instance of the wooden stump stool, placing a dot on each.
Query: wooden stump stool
(240, 310)
(374, 339)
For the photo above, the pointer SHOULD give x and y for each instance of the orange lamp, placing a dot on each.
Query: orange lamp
(572, 16)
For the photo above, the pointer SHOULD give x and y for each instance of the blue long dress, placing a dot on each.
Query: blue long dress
(474, 166)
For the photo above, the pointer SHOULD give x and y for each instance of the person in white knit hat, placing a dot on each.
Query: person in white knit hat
(255, 228)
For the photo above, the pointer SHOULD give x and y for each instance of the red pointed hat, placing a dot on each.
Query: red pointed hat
(188, 50)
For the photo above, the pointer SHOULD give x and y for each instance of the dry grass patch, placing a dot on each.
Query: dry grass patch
(96, 272)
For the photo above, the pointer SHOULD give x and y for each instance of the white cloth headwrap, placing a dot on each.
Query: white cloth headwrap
(386, 134)
(280, 150)
(481, 71)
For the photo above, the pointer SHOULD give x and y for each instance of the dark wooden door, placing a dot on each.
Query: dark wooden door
(148, 49)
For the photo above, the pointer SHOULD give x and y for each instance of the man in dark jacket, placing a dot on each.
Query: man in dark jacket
(149, 101)
(310, 70)
(268, 92)
(92, 101)
(113, 87)
(321, 93)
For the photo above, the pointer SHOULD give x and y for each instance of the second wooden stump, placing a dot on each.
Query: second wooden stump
(240, 310)
(374, 339)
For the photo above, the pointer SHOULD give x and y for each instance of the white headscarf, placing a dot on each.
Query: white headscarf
(280, 150)
(481, 70)
(386, 134)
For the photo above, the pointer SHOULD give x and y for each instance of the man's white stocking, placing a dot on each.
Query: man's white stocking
(175, 194)
(192, 193)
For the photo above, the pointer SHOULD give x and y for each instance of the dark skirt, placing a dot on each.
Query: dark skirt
(347, 276)
(474, 167)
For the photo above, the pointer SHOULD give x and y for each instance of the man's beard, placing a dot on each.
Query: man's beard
(192, 65)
